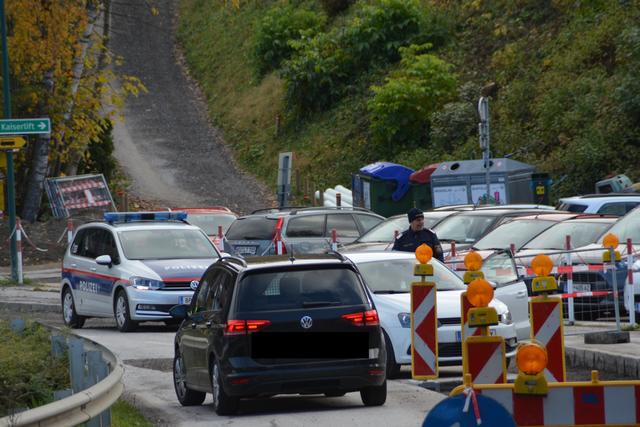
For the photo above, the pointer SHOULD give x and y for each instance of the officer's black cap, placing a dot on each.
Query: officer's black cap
(414, 213)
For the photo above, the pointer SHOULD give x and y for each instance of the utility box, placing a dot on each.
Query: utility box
(464, 182)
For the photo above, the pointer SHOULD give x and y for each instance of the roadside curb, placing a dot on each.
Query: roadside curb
(603, 360)
(20, 307)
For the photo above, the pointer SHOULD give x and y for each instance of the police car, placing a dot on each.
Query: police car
(134, 266)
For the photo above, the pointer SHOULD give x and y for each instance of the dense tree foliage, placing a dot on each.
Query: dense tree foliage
(561, 77)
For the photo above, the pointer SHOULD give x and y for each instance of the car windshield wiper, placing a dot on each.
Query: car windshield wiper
(307, 304)
(389, 291)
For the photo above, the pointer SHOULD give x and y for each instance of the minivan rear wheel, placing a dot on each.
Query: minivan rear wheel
(223, 404)
(186, 396)
(374, 395)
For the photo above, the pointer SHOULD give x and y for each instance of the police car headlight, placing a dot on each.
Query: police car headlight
(143, 284)
(506, 318)
(405, 319)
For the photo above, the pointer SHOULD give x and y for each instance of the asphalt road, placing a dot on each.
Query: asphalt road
(165, 143)
(148, 380)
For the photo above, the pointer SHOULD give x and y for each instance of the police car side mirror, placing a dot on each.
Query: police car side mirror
(179, 312)
(104, 260)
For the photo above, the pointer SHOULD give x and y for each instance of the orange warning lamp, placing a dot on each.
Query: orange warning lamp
(423, 254)
(480, 293)
(610, 241)
(531, 359)
(542, 266)
(473, 263)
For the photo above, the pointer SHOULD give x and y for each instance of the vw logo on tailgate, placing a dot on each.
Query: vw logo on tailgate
(306, 322)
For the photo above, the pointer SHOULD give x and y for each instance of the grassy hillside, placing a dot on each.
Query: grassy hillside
(562, 76)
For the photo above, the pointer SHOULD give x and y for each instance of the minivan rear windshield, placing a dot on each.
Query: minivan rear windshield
(299, 289)
(252, 228)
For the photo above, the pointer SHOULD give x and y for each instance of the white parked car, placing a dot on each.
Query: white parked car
(610, 204)
(389, 275)
(133, 266)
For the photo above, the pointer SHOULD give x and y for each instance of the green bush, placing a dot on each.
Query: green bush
(275, 32)
(28, 373)
(401, 109)
(334, 7)
(323, 66)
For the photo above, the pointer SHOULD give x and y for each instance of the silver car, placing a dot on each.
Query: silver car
(134, 267)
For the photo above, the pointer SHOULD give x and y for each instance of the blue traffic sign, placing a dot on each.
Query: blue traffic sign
(448, 413)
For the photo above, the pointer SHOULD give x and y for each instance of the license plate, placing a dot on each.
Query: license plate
(458, 336)
(581, 287)
(245, 250)
(185, 300)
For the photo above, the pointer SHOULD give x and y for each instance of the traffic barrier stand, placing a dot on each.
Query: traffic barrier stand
(629, 289)
(424, 319)
(532, 401)
(473, 263)
(334, 240)
(546, 319)
(483, 355)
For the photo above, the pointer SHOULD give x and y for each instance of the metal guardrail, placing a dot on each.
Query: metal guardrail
(81, 406)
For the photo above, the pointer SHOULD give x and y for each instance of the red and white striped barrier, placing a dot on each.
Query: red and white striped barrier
(84, 205)
(424, 331)
(485, 360)
(570, 269)
(280, 248)
(546, 327)
(69, 230)
(81, 186)
(573, 404)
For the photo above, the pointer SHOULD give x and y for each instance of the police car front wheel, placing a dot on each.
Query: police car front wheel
(121, 313)
(70, 317)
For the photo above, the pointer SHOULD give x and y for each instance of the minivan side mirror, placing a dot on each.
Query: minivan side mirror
(179, 312)
(104, 260)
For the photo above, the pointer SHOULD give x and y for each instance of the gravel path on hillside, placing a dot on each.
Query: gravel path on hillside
(166, 145)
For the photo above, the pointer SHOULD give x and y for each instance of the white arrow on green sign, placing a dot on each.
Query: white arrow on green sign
(25, 126)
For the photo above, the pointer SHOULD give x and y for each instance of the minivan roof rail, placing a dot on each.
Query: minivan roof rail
(322, 208)
(274, 210)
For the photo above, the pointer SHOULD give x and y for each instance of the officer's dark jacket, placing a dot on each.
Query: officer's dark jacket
(409, 241)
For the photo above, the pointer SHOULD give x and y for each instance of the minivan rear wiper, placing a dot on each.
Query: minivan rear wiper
(389, 291)
(307, 304)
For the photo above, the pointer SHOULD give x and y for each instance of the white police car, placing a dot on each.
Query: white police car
(133, 266)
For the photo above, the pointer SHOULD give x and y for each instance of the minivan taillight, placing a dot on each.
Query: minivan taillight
(243, 327)
(368, 318)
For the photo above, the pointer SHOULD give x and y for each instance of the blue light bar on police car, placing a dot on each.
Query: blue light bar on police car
(144, 216)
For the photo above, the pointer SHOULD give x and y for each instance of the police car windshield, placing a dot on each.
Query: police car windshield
(396, 275)
(165, 244)
(209, 222)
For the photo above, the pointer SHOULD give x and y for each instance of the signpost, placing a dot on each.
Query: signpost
(25, 126)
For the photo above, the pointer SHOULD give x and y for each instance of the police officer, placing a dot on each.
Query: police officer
(417, 235)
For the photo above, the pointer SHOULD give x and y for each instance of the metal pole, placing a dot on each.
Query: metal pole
(483, 111)
(569, 262)
(612, 253)
(6, 95)
(630, 288)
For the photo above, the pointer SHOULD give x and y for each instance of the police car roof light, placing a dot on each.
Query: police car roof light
(112, 217)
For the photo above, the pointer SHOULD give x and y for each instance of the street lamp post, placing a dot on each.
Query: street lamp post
(6, 95)
(483, 126)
